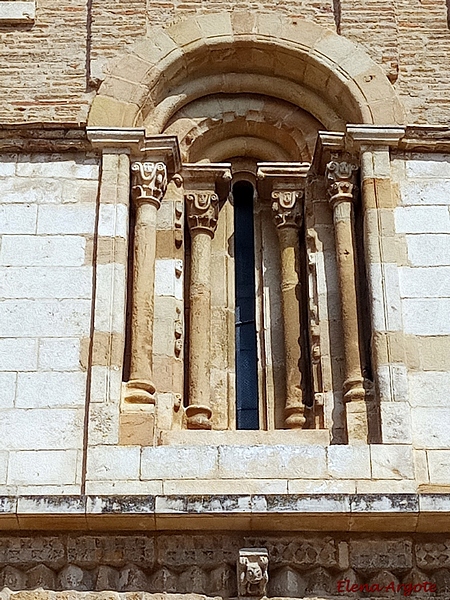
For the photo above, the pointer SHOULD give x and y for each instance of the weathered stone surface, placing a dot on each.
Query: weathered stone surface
(73, 578)
(12, 578)
(223, 582)
(115, 551)
(287, 582)
(132, 579)
(107, 579)
(28, 551)
(194, 579)
(442, 580)
(368, 556)
(432, 555)
(381, 585)
(41, 577)
(203, 551)
(319, 582)
(163, 579)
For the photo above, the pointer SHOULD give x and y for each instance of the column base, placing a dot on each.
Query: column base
(198, 417)
(354, 390)
(139, 391)
(294, 418)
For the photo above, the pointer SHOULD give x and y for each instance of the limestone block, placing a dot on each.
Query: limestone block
(393, 382)
(391, 462)
(429, 166)
(164, 579)
(193, 580)
(55, 389)
(46, 282)
(46, 165)
(66, 219)
(429, 388)
(40, 577)
(349, 462)
(439, 466)
(59, 354)
(113, 462)
(266, 462)
(17, 354)
(41, 428)
(319, 583)
(74, 578)
(107, 578)
(25, 250)
(287, 583)
(423, 192)
(222, 582)
(380, 583)
(106, 384)
(385, 292)
(386, 486)
(30, 318)
(430, 428)
(428, 249)
(110, 298)
(18, 218)
(422, 219)
(441, 579)
(304, 486)
(427, 282)
(432, 554)
(113, 220)
(188, 463)
(421, 466)
(166, 281)
(427, 316)
(132, 579)
(369, 556)
(12, 578)
(7, 389)
(31, 190)
(396, 422)
(7, 166)
(124, 488)
(136, 428)
(42, 467)
(224, 486)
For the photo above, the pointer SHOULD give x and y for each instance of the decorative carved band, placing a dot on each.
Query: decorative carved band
(341, 178)
(287, 208)
(202, 210)
(149, 182)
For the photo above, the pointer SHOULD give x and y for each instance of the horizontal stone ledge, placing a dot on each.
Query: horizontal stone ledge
(259, 512)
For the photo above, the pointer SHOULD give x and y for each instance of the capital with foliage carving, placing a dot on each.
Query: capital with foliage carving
(202, 208)
(340, 177)
(149, 182)
(286, 208)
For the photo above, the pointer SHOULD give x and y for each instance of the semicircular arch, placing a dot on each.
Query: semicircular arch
(306, 64)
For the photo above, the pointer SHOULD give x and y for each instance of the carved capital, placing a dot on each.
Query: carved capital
(340, 176)
(202, 209)
(286, 208)
(149, 182)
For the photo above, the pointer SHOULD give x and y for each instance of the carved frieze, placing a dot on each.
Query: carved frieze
(202, 210)
(286, 207)
(149, 182)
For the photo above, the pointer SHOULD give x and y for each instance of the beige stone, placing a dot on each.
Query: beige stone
(136, 429)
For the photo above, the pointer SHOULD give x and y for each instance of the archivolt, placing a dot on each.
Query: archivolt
(312, 67)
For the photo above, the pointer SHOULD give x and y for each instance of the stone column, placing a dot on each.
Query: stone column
(341, 179)
(288, 217)
(204, 184)
(149, 182)
(202, 208)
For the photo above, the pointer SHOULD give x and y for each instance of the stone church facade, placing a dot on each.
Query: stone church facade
(224, 299)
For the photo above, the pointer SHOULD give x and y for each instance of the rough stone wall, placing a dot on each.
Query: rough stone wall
(52, 67)
(47, 207)
(302, 566)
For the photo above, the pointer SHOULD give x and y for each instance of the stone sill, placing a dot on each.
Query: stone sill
(17, 12)
(340, 512)
(282, 437)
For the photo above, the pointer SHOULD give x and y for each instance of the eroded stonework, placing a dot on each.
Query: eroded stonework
(298, 566)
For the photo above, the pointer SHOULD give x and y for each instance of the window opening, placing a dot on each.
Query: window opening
(247, 414)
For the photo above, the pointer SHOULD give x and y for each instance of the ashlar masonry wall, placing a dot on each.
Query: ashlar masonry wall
(422, 221)
(47, 221)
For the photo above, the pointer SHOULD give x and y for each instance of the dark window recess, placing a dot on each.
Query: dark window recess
(246, 352)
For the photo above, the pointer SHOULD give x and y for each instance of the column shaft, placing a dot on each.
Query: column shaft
(288, 218)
